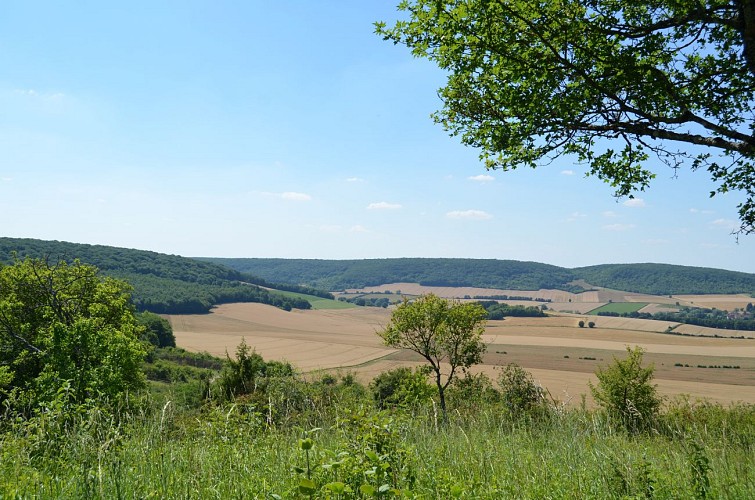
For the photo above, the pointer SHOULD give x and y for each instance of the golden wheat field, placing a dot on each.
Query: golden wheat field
(562, 356)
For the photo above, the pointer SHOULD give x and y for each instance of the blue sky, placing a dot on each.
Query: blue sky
(288, 129)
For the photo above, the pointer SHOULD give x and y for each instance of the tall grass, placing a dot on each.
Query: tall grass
(232, 451)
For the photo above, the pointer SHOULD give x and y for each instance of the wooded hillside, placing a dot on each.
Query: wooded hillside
(658, 279)
(162, 283)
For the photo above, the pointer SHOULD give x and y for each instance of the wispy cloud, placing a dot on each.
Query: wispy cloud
(469, 214)
(725, 223)
(609, 214)
(330, 228)
(635, 203)
(294, 196)
(358, 229)
(288, 195)
(482, 178)
(697, 211)
(575, 216)
(354, 179)
(618, 227)
(39, 95)
(6, 179)
(383, 205)
(567, 172)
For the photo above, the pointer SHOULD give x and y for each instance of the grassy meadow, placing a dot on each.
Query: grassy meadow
(327, 439)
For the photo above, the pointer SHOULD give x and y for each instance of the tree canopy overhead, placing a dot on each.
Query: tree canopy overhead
(615, 83)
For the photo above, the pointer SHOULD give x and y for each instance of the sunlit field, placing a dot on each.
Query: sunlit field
(562, 356)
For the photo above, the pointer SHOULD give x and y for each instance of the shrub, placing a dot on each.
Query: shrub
(401, 387)
(519, 391)
(625, 391)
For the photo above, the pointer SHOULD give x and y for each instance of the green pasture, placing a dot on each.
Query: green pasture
(319, 302)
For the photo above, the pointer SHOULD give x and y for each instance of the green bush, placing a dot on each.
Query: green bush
(401, 387)
(625, 391)
(519, 391)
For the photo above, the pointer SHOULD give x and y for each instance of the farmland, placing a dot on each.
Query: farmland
(561, 355)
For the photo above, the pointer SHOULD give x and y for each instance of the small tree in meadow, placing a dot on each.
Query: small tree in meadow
(447, 334)
(626, 392)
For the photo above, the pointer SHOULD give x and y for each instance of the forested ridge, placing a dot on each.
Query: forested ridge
(657, 279)
(162, 283)
(343, 274)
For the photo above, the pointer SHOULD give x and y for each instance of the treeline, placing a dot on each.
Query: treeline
(165, 284)
(347, 274)
(667, 279)
(698, 316)
(510, 297)
(656, 279)
(497, 310)
(367, 301)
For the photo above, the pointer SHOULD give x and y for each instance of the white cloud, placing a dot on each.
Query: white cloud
(635, 203)
(575, 215)
(481, 178)
(6, 179)
(354, 179)
(358, 229)
(469, 214)
(618, 227)
(567, 172)
(332, 228)
(383, 205)
(726, 223)
(697, 211)
(40, 95)
(293, 196)
(609, 213)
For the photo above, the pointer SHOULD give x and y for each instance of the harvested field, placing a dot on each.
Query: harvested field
(726, 302)
(562, 356)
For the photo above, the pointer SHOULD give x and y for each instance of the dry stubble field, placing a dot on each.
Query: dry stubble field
(561, 356)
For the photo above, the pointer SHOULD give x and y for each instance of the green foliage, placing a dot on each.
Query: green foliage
(65, 325)
(626, 392)
(469, 392)
(344, 274)
(157, 330)
(700, 468)
(440, 331)
(519, 392)
(164, 284)
(356, 451)
(666, 279)
(608, 83)
(401, 387)
(658, 279)
(497, 310)
(241, 375)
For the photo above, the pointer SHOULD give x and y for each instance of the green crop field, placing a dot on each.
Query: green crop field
(319, 302)
(619, 307)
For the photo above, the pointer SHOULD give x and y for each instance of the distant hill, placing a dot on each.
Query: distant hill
(162, 283)
(343, 274)
(667, 279)
(656, 279)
